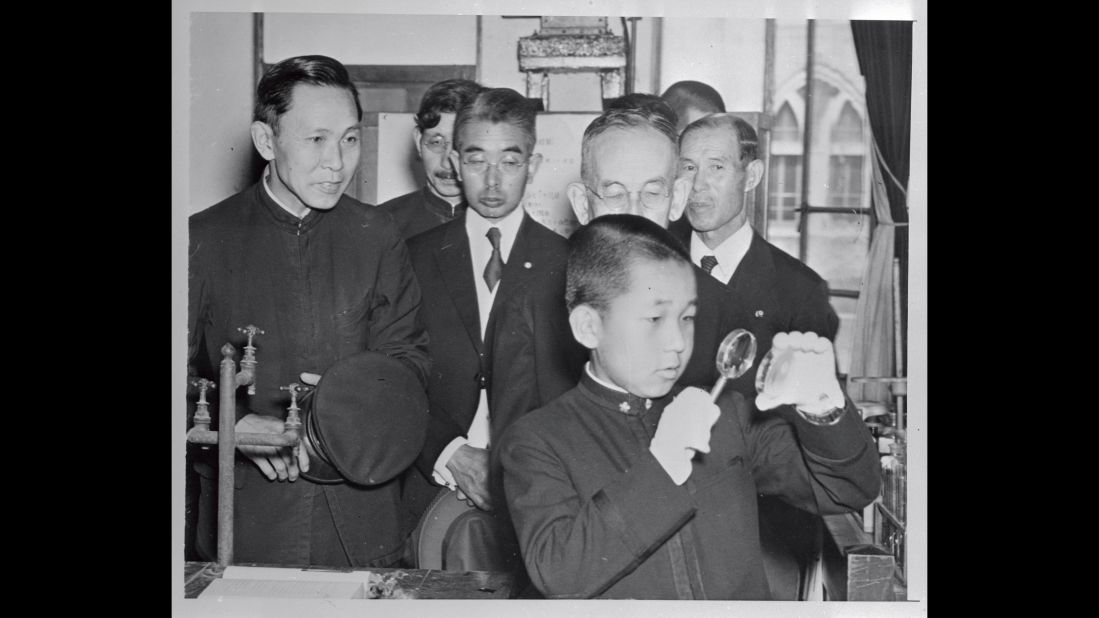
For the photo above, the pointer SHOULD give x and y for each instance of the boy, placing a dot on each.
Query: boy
(625, 487)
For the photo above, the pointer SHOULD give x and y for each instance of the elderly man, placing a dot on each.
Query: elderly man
(718, 155)
(468, 269)
(440, 200)
(327, 278)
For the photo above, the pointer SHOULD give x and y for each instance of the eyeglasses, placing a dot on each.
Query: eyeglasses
(508, 166)
(617, 197)
(437, 144)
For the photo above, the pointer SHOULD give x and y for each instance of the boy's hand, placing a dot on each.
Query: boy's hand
(802, 374)
(684, 428)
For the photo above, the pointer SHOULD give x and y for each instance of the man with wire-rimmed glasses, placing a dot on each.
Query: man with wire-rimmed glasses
(440, 200)
(467, 269)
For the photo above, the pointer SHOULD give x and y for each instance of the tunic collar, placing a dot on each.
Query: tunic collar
(283, 218)
(438, 206)
(619, 400)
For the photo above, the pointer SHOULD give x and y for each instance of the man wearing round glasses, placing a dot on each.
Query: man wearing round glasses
(467, 269)
(440, 200)
(628, 164)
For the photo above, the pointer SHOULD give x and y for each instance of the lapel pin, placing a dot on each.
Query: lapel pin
(759, 313)
(527, 265)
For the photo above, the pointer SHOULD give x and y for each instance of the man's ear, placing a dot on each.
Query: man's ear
(681, 190)
(454, 162)
(534, 163)
(755, 174)
(578, 197)
(587, 325)
(263, 138)
(417, 135)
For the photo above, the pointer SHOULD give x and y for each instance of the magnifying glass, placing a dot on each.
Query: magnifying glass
(735, 356)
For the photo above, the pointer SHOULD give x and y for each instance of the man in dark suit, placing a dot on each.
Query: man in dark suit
(440, 200)
(718, 154)
(468, 268)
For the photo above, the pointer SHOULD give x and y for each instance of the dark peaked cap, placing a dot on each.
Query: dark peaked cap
(367, 420)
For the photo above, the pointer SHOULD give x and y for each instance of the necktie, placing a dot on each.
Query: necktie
(495, 267)
(708, 263)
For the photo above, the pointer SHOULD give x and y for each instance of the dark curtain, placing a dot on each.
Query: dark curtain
(884, 50)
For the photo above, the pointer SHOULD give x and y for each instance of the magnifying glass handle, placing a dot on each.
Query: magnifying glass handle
(715, 392)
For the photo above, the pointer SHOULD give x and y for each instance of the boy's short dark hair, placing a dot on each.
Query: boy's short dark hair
(498, 105)
(276, 87)
(601, 253)
(445, 97)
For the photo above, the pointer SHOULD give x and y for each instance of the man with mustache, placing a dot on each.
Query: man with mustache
(468, 268)
(440, 200)
(329, 280)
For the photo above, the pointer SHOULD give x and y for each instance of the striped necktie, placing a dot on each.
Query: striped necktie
(708, 263)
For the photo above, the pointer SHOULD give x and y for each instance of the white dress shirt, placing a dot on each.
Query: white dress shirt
(729, 253)
(480, 250)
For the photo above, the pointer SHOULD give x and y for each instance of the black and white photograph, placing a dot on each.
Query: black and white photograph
(518, 305)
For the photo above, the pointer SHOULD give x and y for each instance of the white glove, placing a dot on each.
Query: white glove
(684, 429)
(802, 374)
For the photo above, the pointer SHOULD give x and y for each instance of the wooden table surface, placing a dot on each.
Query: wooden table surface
(423, 583)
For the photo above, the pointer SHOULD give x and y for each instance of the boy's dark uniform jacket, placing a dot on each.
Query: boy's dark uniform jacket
(597, 516)
(323, 288)
(460, 368)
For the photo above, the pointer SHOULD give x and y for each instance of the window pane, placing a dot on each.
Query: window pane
(784, 192)
(786, 126)
(845, 181)
(845, 309)
(838, 245)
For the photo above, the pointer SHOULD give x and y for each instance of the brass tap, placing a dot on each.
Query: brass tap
(248, 364)
(202, 412)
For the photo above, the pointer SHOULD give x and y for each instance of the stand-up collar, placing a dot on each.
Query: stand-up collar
(283, 218)
(618, 400)
(438, 206)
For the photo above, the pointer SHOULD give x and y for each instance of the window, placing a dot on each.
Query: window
(785, 188)
(821, 215)
(784, 184)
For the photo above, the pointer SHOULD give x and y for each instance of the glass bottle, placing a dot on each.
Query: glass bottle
(894, 481)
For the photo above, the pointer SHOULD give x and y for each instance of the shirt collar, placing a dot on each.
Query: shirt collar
(477, 227)
(729, 253)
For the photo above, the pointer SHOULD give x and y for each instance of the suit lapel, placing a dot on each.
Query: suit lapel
(754, 277)
(526, 262)
(453, 261)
